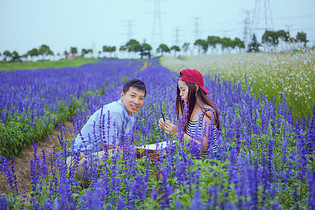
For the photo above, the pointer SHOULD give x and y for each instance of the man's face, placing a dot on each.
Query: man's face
(132, 99)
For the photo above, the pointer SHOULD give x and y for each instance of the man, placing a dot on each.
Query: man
(112, 124)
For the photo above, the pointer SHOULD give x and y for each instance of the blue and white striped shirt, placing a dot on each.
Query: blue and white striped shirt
(195, 130)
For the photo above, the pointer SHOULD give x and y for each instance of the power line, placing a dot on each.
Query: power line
(242, 21)
(300, 16)
(220, 23)
(310, 28)
(157, 25)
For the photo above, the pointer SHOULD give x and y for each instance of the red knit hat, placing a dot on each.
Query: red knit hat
(195, 77)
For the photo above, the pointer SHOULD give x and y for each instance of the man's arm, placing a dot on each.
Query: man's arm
(87, 138)
(110, 128)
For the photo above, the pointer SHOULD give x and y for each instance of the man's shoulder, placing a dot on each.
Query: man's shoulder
(114, 107)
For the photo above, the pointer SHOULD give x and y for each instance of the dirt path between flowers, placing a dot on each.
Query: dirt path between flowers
(22, 162)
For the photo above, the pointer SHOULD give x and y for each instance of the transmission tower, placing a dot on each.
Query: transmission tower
(176, 36)
(197, 31)
(157, 25)
(129, 34)
(246, 28)
(262, 18)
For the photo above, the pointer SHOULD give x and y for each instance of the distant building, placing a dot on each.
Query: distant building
(73, 56)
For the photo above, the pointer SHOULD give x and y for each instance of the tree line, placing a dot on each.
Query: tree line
(270, 39)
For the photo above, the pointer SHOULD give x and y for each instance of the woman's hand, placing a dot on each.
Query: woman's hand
(161, 123)
(170, 128)
(186, 138)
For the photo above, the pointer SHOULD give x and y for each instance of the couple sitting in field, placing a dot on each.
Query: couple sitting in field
(110, 126)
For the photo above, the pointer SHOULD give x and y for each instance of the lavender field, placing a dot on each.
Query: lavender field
(266, 158)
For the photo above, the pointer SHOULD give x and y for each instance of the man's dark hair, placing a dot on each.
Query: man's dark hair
(136, 83)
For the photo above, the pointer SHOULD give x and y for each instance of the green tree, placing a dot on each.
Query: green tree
(239, 43)
(292, 40)
(175, 48)
(90, 51)
(15, 56)
(270, 38)
(33, 52)
(202, 45)
(254, 45)
(301, 37)
(105, 49)
(73, 51)
(185, 47)
(84, 52)
(109, 49)
(227, 42)
(6, 55)
(112, 49)
(25, 56)
(65, 53)
(51, 53)
(146, 47)
(145, 50)
(163, 48)
(122, 49)
(133, 46)
(43, 50)
(283, 35)
(213, 41)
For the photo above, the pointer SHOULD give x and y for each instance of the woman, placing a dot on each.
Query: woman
(201, 123)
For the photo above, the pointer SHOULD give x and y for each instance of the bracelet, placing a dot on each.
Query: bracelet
(177, 134)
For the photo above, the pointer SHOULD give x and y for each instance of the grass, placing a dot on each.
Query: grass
(270, 74)
(74, 62)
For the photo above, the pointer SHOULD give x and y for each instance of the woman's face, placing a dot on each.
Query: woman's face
(183, 90)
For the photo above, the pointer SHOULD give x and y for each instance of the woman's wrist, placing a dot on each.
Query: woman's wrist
(187, 138)
(177, 134)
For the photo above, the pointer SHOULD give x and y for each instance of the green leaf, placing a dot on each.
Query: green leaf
(194, 167)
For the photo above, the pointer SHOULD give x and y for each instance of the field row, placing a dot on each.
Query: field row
(33, 102)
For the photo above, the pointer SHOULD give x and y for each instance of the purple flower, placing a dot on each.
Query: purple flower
(139, 187)
(196, 203)
(3, 202)
(8, 169)
(120, 203)
(92, 200)
(311, 181)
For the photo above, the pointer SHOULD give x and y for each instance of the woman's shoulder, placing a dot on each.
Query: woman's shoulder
(208, 109)
(209, 112)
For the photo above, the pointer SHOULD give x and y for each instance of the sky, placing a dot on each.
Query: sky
(61, 24)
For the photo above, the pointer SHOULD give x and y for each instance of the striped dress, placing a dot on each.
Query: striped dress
(195, 131)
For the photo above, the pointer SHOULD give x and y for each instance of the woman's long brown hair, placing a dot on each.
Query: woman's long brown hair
(192, 100)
